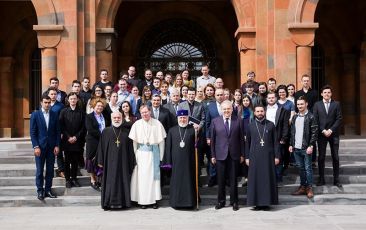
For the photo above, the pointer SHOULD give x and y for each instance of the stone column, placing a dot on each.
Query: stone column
(247, 50)
(362, 86)
(104, 52)
(6, 99)
(49, 36)
(303, 36)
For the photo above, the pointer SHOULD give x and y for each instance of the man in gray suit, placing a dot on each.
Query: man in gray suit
(173, 105)
(227, 150)
(195, 109)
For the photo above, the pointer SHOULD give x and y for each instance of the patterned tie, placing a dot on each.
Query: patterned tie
(227, 125)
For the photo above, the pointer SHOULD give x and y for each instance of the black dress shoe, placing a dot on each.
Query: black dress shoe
(155, 206)
(321, 182)
(339, 185)
(68, 184)
(219, 205)
(212, 182)
(94, 186)
(235, 206)
(143, 207)
(50, 195)
(75, 183)
(40, 196)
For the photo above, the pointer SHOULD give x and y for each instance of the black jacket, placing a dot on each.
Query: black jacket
(282, 127)
(332, 120)
(310, 135)
(72, 124)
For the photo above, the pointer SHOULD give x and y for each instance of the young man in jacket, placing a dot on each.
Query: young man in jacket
(304, 132)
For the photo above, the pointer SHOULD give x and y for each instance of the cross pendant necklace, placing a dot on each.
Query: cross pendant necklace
(259, 134)
(117, 137)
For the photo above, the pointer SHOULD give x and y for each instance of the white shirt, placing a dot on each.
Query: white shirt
(204, 80)
(46, 116)
(326, 104)
(122, 96)
(219, 108)
(271, 113)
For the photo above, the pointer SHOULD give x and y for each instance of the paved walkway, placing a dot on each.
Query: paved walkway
(301, 217)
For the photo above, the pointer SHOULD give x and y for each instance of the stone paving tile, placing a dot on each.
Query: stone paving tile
(322, 217)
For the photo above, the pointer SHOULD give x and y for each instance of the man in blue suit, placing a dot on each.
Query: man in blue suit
(45, 136)
(213, 110)
(227, 150)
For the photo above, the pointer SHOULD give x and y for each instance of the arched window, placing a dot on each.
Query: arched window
(175, 45)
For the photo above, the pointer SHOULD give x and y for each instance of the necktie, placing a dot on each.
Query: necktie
(175, 108)
(327, 107)
(227, 125)
(156, 113)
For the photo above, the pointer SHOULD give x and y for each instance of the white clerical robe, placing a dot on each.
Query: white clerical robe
(145, 189)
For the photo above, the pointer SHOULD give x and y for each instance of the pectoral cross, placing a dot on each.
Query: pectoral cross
(262, 142)
(117, 142)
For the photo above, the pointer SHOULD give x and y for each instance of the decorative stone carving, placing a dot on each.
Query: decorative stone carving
(49, 36)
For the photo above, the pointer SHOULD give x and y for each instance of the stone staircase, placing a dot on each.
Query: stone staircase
(17, 181)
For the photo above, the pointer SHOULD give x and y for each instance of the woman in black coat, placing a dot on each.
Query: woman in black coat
(72, 120)
(95, 122)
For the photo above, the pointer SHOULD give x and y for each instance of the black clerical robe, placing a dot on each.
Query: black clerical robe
(262, 185)
(118, 163)
(182, 160)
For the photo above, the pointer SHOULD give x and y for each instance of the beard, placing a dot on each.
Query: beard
(260, 117)
(182, 124)
(116, 124)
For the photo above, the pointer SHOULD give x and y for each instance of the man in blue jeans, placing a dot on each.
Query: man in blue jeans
(304, 130)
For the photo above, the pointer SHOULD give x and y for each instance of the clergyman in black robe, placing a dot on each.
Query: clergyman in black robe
(180, 156)
(261, 156)
(115, 156)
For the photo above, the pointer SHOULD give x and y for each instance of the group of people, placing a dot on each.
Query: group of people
(142, 134)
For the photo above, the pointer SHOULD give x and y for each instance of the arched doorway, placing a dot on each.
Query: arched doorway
(340, 40)
(172, 36)
(18, 41)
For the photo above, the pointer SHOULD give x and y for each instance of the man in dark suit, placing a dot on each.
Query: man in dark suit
(160, 113)
(147, 81)
(280, 117)
(227, 150)
(213, 110)
(195, 109)
(328, 115)
(61, 95)
(45, 136)
(173, 105)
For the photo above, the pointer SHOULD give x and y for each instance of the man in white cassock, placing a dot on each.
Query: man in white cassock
(148, 136)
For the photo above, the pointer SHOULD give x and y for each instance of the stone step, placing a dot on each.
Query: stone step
(346, 168)
(88, 191)
(207, 201)
(85, 180)
(30, 181)
(28, 158)
(58, 190)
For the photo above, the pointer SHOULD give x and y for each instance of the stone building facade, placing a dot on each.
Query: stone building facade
(284, 39)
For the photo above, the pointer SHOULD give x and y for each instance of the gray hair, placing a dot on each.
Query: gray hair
(115, 113)
(226, 103)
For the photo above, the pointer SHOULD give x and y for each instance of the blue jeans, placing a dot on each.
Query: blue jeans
(303, 161)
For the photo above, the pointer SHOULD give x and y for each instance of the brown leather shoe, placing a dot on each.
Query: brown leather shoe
(300, 191)
(309, 192)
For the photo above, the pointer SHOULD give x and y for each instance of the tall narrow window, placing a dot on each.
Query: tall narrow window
(317, 67)
(35, 81)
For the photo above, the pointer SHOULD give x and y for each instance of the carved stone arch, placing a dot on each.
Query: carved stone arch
(46, 12)
(106, 13)
(245, 12)
(302, 11)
